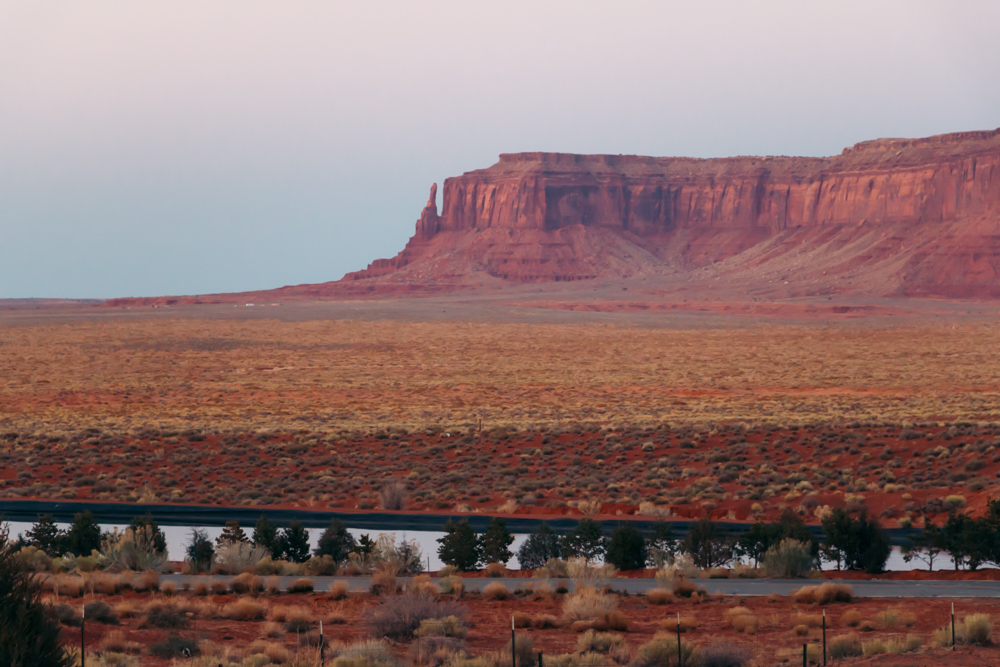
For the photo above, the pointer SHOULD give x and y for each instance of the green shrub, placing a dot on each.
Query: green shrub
(788, 559)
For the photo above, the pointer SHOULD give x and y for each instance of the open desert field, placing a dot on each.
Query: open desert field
(737, 416)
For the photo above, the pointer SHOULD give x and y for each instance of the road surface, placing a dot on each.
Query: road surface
(746, 587)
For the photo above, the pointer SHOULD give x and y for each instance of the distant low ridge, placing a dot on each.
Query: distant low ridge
(885, 218)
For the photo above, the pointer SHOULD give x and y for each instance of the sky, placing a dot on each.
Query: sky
(189, 147)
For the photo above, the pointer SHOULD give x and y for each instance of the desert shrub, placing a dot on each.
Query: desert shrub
(101, 612)
(267, 567)
(384, 581)
(725, 654)
(788, 559)
(585, 573)
(557, 567)
(661, 651)
(338, 590)
(218, 587)
(845, 646)
(453, 585)
(684, 588)
(521, 619)
(587, 603)
(147, 581)
(302, 585)
(400, 615)
(115, 642)
(824, 594)
(496, 570)
(299, 620)
(238, 557)
(659, 596)
(741, 619)
(524, 653)
(169, 589)
(64, 614)
(800, 630)
(495, 591)
(245, 609)
(174, 647)
(137, 548)
(272, 652)
(392, 496)
(435, 651)
(163, 615)
(977, 629)
(851, 618)
(544, 621)
(365, 653)
(246, 584)
(599, 642)
(449, 626)
(35, 559)
(321, 566)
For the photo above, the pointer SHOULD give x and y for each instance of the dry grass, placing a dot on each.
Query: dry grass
(495, 591)
(338, 590)
(851, 618)
(245, 609)
(588, 603)
(742, 620)
(824, 594)
(659, 596)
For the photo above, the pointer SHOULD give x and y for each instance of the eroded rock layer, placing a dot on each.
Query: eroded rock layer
(885, 217)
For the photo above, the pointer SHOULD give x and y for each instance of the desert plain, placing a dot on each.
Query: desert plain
(512, 402)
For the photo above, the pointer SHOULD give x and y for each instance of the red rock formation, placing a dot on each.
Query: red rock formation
(891, 216)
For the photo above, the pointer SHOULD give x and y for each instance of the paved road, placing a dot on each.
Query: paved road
(747, 587)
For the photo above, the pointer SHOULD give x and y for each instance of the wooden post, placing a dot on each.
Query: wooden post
(952, 626)
(824, 637)
(680, 656)
(513, 644)
(83, 628)
(322, 661)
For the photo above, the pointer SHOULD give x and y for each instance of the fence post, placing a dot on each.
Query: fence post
(805, 656)
(513, 644)
(540, 659)
(322, 660)
(680, 656)
(83, 628)
(824, 637)
(952, 626)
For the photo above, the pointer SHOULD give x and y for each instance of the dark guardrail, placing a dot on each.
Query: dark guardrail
(194, 515)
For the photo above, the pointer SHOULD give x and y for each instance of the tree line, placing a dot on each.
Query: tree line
(851, 541)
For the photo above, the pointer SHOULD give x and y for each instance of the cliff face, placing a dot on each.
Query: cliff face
(890, 216)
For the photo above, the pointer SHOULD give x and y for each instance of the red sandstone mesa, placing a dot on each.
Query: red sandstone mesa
(886, 217)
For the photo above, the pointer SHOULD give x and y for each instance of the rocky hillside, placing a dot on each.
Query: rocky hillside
(890, 217)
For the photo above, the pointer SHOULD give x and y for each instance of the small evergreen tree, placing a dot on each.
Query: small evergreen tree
(336, 542)
(200, 551)
(707, 546)
(232, 533)
(265, 534)
(365, 544)
(626, 548)
(459, 546)
(28, 634)
(661, 548)
(754, 542)
(927, 545)
(856, 543)
(293, 542)
(84, 534)
(586, 541)
(540, 546)
(46, 536)
(494, 545)
(159, 539)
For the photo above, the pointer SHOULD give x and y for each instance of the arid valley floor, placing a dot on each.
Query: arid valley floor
(514, 402)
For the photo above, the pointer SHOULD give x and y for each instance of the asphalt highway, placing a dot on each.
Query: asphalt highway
(745, 587)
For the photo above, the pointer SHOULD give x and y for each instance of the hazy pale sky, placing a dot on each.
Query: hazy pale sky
(178, 147)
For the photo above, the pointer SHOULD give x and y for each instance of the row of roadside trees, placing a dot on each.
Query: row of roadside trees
(851, 541)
